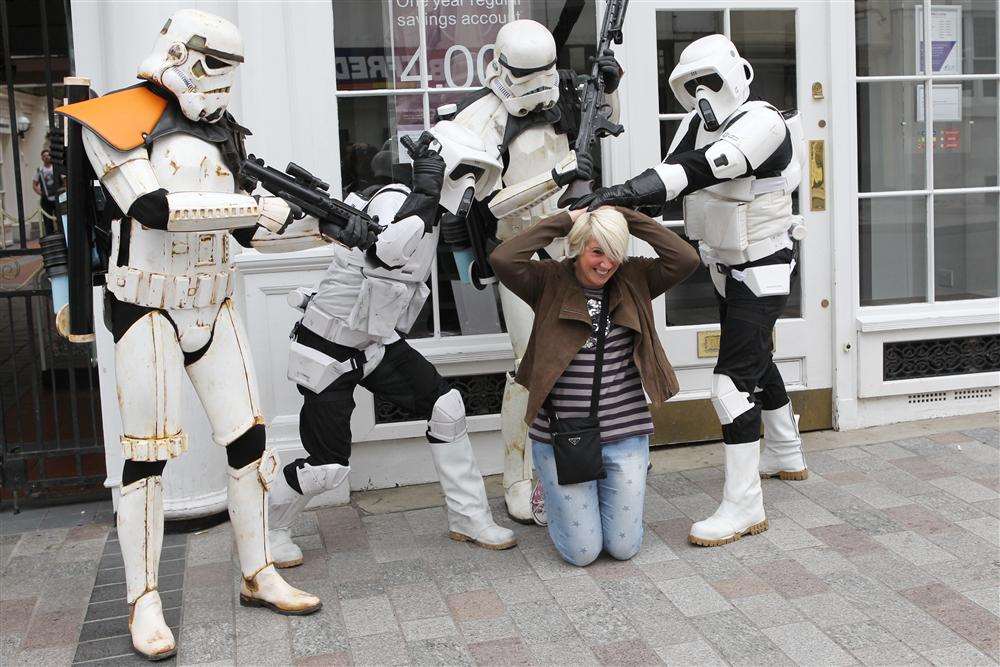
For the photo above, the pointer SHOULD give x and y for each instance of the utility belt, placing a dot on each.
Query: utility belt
(160, 290)
(315, 370)
(764, 280)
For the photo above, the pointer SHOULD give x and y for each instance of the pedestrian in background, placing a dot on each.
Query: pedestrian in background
(46, 186)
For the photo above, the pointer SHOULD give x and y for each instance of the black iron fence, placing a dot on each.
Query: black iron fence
(51, 445)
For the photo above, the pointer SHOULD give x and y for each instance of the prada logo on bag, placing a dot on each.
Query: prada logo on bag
(574, 441)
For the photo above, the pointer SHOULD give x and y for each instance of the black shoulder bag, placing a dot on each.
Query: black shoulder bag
(577, 442)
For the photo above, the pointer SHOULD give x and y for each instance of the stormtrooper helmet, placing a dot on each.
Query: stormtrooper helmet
(712, 79)
(195, 58)
(523, 72)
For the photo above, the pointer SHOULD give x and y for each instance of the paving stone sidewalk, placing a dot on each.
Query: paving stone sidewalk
(887, 554)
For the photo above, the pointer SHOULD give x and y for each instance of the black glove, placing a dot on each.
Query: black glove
(355, 234)
(428, 173)
(584, 171)
(646, 189)
(609, 70)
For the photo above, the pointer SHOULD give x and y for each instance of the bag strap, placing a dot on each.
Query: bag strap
(602, 325)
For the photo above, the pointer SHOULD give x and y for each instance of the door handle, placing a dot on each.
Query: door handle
(817, 175)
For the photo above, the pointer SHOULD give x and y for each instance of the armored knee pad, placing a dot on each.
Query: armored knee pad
(728, 401)
(447, 422)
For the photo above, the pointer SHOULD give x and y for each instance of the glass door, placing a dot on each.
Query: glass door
(786, 43)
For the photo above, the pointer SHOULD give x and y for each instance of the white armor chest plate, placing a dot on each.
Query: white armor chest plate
(178, 269)
(536, 150)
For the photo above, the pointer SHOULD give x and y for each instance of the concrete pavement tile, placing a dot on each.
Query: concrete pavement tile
(429, 521)
(444, 651)
(41, 542)
(382, 649)
(262, 638)
(768, 610)
(987, 598)
(403, 572)
(606, 567)
(202, 605)
(741, 587)
(413, 601)
(892, 653)
(963, 544)
(961, 615)
(863, 592)
(714, 564)
(350, 566)
(635, 596)
(318, 634)
(338, 659)
(215, 545)
(562, 652)
(891, 570)
(869, 521)
(85, 550)
(950, 437)
(475, 605)
(488, 629)
(573, 592)
(340, 516)
(306, 524)
(696, 506)
(548, 564)
(212, 641)
(821, 561)
(15, 613)
(693, 596)
(845, 476)
(658, 508)
(805, 512)
(987, 528)
(671, 485)
(368, 616)
(859, 635)
(674, 532)
(539, 622)
(827, 610)
(667, 570)
(386, 524)
(501, 564)
(58, 655)
(962, 654)
(511, 651)
(806, 644)
(434, 627)
(526, 588)
(733, 636)
(600, 623)
(343, 539)
(787, 535)
(356, 590)
(964, 489)
(922, 468)
(697, 652)
(915, 628)
(751, 551)
(965, 575)
(988, 436)
(917, 518)
(886, 450)
(209, 575)
(948, 506)
(457, 576)
(846, 539)
(875, 495)
(914, 548)
(653, 550)
(848, 454)
(789, 578)
(53, 628)
(105, 650)
(631, 652)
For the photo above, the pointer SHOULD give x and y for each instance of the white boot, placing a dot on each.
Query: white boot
(469, 517)
(285, 504)
(742, 508)
(262, 585)
(140, 534)
(517, 455)
(782, 456)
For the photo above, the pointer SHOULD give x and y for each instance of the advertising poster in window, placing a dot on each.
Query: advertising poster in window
(946, 59)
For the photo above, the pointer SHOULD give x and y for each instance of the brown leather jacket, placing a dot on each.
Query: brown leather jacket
(562, 323)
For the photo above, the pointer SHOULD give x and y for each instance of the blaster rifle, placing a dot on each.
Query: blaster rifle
(305, 193)
(594, 120)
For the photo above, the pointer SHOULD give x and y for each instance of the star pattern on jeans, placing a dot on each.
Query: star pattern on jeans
(576, 524)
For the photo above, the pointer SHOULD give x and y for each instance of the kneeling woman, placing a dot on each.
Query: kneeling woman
(559, 364)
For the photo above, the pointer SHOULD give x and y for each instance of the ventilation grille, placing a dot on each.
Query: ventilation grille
(910, 359)
(930, 397)
(984, 392)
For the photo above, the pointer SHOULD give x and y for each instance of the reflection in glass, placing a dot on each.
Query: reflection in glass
(890, 138)
(367, 154)
(573, 26)
(674, 31)
(965, 246)
(375, 45)
(892, 242)
(767, 40)
(965, 135)
(885, 40)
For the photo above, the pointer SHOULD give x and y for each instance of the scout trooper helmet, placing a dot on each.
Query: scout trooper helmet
(195, 58)
(712, 79)
(523, 72)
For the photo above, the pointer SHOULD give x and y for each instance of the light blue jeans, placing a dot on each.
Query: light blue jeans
(603, 514)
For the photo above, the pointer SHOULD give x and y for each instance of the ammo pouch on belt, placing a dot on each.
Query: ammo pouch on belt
(720, 223)
(315, 370)
(378, 306)
(768, 280)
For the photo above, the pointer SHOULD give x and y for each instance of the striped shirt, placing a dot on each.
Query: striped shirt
(621, 408)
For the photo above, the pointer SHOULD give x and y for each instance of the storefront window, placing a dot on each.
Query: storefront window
(397, 61)
(928, 204)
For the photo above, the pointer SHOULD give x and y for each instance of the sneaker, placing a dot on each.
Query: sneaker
(538, 505)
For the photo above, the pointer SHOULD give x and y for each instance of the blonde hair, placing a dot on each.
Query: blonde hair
(606, 226)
